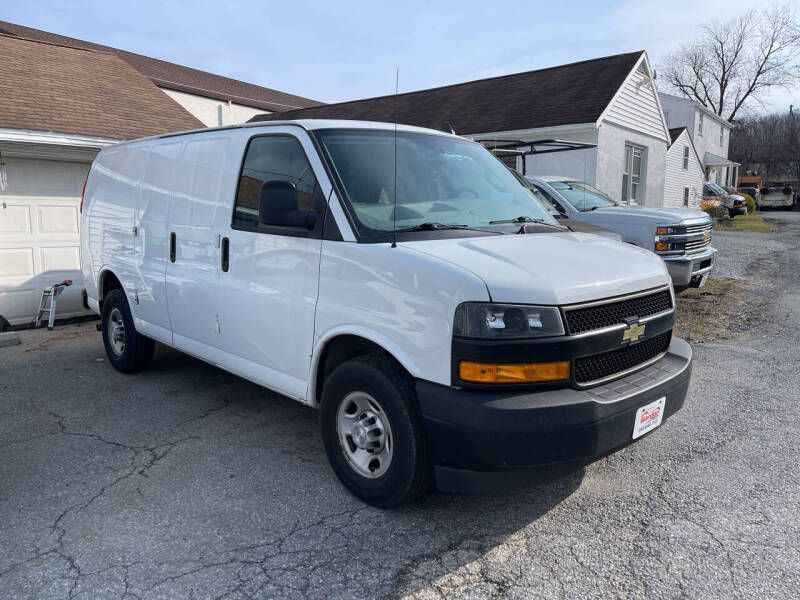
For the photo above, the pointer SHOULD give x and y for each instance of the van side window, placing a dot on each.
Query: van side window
(271, 161)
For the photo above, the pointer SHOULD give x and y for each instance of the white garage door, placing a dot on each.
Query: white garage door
(39, 243)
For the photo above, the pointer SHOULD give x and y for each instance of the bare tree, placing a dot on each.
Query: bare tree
(735, 61)
(792, 145)
(768, 145)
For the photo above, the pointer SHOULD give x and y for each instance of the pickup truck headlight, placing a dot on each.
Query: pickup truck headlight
(670, 246)
(503, 321)
(670, 239)
(669, 230)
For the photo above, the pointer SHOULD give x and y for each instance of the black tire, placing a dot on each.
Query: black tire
(681, 288)
(137, 350)
(410, 470)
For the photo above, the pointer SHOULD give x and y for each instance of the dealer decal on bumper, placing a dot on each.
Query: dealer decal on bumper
(648, 417)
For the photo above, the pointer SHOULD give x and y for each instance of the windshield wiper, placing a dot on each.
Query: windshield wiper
(523, 220)
(434, 226)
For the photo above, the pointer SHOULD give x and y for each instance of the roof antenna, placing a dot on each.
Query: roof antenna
(396, 110)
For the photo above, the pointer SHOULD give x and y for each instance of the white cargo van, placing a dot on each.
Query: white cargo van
(402, 281)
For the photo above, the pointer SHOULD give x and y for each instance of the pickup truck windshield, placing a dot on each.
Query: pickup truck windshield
(715, 189)
(440, 179)
(582, 196)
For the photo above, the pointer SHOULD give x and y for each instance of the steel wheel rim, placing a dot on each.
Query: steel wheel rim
(365, 435)
(116, 331)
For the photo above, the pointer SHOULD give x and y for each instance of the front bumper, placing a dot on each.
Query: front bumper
(491, 431)
(686, 267)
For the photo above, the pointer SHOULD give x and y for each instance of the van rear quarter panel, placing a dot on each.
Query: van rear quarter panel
(109, 207)
(401, 299)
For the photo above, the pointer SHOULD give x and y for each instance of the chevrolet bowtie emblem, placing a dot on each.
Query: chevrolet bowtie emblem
(706, 235)
(633, 332)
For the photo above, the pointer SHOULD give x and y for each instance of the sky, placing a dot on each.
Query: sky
(343, 50)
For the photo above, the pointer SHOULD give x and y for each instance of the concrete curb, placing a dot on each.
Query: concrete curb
(10, 338)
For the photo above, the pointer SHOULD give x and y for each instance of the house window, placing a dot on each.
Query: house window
(700, 124)
(686, 196)
(685, 157)
(721, 134)
(632, 187)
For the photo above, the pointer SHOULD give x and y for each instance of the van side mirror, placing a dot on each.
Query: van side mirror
(278, 206)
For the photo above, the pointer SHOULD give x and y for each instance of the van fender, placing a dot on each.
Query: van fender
(104, 271)
(376, 338)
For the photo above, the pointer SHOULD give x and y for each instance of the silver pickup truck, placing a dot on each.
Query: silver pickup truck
(680, 236)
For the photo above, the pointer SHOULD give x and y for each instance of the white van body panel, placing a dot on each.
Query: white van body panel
(284, 298)
(540, 268)
(401, 299)
(203, 185)
(152, 245)
(268, 296)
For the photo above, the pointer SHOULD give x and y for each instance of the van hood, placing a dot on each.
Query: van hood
(664, 216)
(550, 268)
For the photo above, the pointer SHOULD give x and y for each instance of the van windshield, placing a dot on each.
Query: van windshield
(440, 179)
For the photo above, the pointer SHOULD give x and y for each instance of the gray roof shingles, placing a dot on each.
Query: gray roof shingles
(176, 77)
(47, 87)
(563, 95)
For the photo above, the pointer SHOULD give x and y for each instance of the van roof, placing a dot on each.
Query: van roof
(311, 125)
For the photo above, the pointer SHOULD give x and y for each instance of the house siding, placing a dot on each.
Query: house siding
(209, 110)
(683, 112)
(636, 106)
(677, 178)
(611, 151)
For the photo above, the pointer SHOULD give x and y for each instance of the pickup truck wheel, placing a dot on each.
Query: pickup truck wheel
(373, 433)
(128, 350)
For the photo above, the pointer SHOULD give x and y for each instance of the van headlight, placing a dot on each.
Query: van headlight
(493, 321)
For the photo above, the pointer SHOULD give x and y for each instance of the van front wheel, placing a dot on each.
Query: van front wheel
(128, 350)
(373, 433)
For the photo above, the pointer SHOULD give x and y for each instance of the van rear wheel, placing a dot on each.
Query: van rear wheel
(128, 350)
(373, 433)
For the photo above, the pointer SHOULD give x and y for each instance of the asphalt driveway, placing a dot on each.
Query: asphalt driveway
(188, 482)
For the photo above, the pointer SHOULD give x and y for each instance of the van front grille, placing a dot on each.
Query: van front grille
(598, 316)
(608, 364)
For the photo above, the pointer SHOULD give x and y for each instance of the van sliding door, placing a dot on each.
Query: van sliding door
(192, 273)
(151, 242)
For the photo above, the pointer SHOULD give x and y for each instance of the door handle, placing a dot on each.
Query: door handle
(172, 246)
(225, 254)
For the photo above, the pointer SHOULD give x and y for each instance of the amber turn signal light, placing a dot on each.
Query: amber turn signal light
(662, 231)
(662, 246)
(513, 373)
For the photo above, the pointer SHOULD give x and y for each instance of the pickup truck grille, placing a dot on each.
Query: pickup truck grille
(700, 243)
(598, 316)
(608, 364)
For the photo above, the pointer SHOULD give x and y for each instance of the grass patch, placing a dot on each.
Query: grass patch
(724, 309)
(746, 223)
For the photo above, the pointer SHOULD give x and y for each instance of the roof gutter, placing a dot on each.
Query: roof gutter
(22, 143)
(537, 133)
(52, 138)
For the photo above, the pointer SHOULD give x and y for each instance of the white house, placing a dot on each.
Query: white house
(609, 101)
(62, 101)
(710, 133)
(684, 175)
(631, 140)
